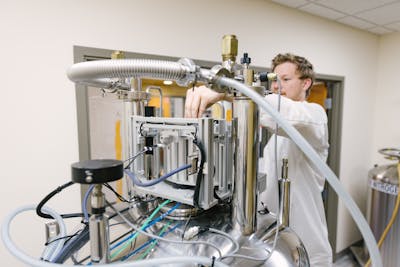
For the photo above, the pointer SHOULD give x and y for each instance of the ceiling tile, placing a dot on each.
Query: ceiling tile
(394, 26)
(353, 6)
(356, 22)
(382, 15)
(322, 11)
(379, 30)
(291, 3)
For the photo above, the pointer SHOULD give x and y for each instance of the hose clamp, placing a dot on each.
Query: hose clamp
(191, 70)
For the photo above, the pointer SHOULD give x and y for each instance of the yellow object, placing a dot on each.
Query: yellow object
(392, 219)
(228, 115)
(318, 94)
(216, 111)
(118, 151)
(229, 47)
(155, 102)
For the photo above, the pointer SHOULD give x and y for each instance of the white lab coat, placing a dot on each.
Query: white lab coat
(307, 217)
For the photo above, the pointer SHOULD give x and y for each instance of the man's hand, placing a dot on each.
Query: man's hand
(199, 99)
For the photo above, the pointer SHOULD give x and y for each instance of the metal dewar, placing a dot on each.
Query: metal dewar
(383, 191)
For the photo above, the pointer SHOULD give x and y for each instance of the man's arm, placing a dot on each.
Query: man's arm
(308, 118)
(199, 99)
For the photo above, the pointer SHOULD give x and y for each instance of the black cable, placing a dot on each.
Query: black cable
(121, 198)
(83, 260)
(48, 197)
(199, 173)
(74, 245)
(74, 260)
(63, 237)
(186, 225)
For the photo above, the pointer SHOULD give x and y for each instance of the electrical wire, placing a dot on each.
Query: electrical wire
(199, 179)
(49, 253)
(168, 240)
(186, 225)
(73, 245)
(119, 251)
(133, 158)
(112, 242)
(392, 218)
(34, 262)
(84, 203)
(48, 197)
(152, 182)
(121, 198)
(276, 169)
(234, 242)
(67, 237)
(149, 224)
(147, 243)
(153, 243)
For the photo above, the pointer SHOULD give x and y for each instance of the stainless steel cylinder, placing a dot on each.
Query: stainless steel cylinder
(134, 105)
(98, 228)
(245, 189)
(205, 135)
(382, 196)
(99, 239)
(175, 156)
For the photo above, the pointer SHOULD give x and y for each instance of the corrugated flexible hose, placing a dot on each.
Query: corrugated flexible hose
(102, 71)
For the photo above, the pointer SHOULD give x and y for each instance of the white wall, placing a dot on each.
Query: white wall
(386, 128)
(38, 118)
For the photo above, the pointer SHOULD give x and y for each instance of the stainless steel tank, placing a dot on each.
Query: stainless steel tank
(382, 194)
(289, 250)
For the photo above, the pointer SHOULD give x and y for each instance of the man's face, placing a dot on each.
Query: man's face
(292, 86)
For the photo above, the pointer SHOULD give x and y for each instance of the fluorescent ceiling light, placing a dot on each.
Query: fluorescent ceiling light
(167, 82)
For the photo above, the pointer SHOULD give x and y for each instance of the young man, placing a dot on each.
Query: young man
(307, 216)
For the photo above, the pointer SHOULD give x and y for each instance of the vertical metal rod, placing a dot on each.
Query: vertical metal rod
(205, 135)
(98, 228)
(284, 186)
(246, 158)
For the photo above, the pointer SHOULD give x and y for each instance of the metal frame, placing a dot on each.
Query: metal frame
(335, 86)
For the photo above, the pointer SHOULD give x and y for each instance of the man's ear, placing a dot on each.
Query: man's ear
(307, 82)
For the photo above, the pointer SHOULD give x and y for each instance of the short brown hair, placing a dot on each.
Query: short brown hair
(304, 67)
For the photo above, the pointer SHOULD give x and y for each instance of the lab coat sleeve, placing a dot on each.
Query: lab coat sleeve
(308, 118)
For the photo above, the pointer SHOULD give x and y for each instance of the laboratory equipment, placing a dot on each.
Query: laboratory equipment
(200, 171)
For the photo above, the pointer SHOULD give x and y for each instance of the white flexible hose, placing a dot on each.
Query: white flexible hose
(318, 162)
(53, 251)
(10, 245)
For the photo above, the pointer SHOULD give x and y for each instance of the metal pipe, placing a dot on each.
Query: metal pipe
(284, 190)
(157, 88)
(98, 228)
(245, 183)
(103, 71)
(205, 135)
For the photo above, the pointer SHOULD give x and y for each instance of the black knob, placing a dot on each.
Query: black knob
(245, 59)
(97, 171)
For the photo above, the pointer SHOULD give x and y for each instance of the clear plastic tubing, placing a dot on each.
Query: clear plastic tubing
(5, 235)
